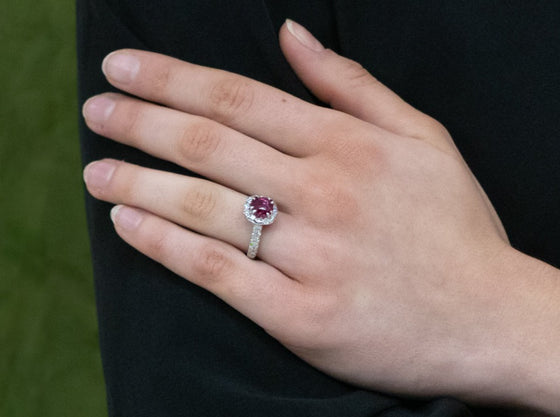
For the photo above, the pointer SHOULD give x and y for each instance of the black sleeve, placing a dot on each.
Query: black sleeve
(172, 349)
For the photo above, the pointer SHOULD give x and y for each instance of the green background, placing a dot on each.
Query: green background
(49, 355)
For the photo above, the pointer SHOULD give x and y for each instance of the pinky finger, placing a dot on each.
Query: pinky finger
(254, 288)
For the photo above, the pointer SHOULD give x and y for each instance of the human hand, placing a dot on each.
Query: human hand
(380, 269)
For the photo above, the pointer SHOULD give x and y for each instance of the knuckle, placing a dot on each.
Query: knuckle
(329, 202)
(126, 183)
(117, 186)
(158, 246)
(161, 79)
(229, 97)
(212, 263)
(358, 154)
(423, 126)
(325, 192)
(356, 75)
(351, 145)
(311, 324)
(345, 148)
(198, 142)
(131, 122)
(326, 255)
(199, 203)
(437, 128)
(432, 131)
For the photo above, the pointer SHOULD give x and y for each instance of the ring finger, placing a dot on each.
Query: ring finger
(200, 205)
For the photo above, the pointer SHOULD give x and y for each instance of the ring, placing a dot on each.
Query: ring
(260, 211)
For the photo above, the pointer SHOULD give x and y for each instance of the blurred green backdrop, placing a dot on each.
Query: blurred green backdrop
(49, 356)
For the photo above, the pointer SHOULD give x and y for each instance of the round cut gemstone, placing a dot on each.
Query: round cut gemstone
(260, 210)
(262, 207)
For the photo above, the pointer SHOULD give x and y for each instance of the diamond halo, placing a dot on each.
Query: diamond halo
(260, 211)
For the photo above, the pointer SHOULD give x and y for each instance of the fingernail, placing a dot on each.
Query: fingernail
(125, 217)
(98, 109)
(121, 67)
(98, 173)
(304, 36)
(113, 213)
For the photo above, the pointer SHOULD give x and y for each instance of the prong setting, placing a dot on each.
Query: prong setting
(260, 210)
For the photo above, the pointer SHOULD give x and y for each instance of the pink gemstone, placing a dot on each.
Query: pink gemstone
(262, 207)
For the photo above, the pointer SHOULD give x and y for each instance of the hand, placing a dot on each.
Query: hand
(385, 266)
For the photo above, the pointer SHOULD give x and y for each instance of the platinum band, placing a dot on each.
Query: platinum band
(255, 241)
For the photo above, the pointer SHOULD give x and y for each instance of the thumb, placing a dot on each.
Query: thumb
(346, 86)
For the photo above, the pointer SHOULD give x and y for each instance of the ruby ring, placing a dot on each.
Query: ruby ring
(260, 211)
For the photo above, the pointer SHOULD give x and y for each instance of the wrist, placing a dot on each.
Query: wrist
(538, 343)
(520, 356)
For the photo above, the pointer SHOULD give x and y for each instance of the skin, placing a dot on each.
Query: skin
(387, 266)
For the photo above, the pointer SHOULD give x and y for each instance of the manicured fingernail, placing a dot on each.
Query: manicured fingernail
(98, 109)
(120, 67)
(304, 36)
(125, 217)
(98, 173)
(114, 212)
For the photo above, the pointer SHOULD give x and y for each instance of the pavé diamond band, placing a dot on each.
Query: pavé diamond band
(260, 211)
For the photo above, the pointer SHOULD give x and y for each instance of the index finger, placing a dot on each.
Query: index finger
(263, 112)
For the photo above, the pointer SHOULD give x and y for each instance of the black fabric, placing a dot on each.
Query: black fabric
(490, 71)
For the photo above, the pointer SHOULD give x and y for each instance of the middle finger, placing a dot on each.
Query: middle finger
(196, 143)
(261, 111)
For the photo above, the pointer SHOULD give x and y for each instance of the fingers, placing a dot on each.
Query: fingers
(258, 110)
(268, 114)
(256, 289)
(200, 205)
(199, 144)
(347, 86)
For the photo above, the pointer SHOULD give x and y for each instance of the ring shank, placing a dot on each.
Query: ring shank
(255, 241)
